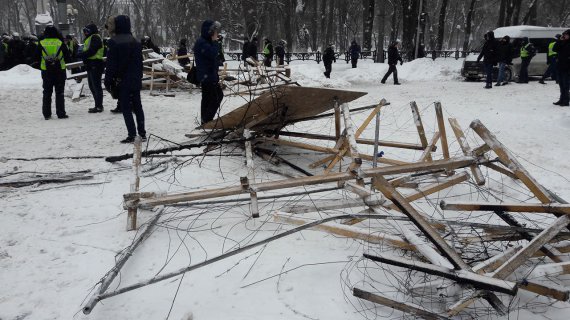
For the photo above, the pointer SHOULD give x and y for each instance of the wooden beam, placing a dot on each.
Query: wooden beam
(419, 126)
(135, 183)
(351, 138)
(561, 209)
(449, 164)
(250, 173)
(404, 307)
(477, 174)
(550, 269)
(500, 169)
(441, 127)
(459, 276)
(426, 155)
(511, 162)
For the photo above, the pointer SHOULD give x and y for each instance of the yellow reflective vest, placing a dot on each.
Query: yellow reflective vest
(99, 54)
(52, 47)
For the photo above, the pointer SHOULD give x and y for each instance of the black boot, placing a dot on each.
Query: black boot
(116, 110)
(128, 139)
(95, 110)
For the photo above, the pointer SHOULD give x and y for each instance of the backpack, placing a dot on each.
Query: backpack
(192, 76)
(53, 63)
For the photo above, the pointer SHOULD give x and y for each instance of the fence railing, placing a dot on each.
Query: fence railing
(318, 56)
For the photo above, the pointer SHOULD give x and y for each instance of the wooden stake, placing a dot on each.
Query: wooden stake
(511, 162)
(135, 182)
(477, 174)
(426, 155)
(250, 173)
(419, 126)
(441, 126)
(560, 209)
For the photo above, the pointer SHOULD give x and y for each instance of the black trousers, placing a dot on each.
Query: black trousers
(391, 69)
(523, 74)
(94, 74)
(564, 84)
(354, 62)
(328, 69)
(212, 96)
(51, 81)
(130, 100)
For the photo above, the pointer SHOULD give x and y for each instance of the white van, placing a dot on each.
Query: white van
(540, 37)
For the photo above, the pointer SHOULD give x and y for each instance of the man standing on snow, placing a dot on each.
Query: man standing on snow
(92, 56)
(183, 51)
(527, 52)
(504, 57)
(393, 58)
(489, 55)
(280, 52)
(267, 52)
(354, 52)
(206, 54)
(52, 53)
(328, 58)
(562, 48)
(123, 74)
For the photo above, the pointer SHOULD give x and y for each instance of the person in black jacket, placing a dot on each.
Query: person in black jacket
(92, 56)
(489, 55)
(328, 58)
(393, 58)
(280, 52)
(147, 43)
(354, 52)
(206, 52)
(562, 48)
(252, 49)
(123, 75)
(183, 51)
(245, 49)
(504, 58)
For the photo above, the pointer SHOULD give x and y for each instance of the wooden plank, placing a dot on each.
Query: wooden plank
(426, 155)
(500, 169)
(419, 126)
(77, 91)
(554, 292)
(511, 162)
(135, 183)
(351, 137)
(404, 307)
(350, 232)
(477, 174)
(449, 164)
(250, 173)
(481, 150)
(551, 269)
(441, 126)
(561, 209)
(419, 221)
(337, 124)
(460, 276)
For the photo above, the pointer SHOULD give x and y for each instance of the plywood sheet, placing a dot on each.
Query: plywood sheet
(283, 105)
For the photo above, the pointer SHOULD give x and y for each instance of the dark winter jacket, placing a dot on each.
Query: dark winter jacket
(16, 48)
(394, 55)
(182, 51)
(252, 49)
(124, 57)
(505, 52)
(354, 51)
(94, 46)
(328, 56)
(562, 48)
(148, 44)
(280, 51)
(489, 51)
(206, 54)
(245, 50)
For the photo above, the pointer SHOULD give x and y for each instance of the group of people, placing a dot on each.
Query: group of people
(15, 50)
(250, 47)
(123, 70)
(501, 52)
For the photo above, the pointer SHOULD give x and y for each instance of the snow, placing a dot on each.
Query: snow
(527, 31)
(56, 243)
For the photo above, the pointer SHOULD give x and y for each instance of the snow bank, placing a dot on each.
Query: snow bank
(21, 77)
(309, 73)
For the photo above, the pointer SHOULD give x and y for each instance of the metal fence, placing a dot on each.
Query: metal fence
(318, 56)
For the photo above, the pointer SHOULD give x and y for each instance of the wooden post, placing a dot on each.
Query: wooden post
(135, 182)
(337, 125)
(441, 126)
(250, 173)
(419, 126)
(511, 162)
(426, 155)
(350, 138)
(477, 174)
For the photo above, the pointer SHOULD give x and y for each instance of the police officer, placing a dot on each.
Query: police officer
(551, 61)
(92, 57)
(267, 52)
(280, 51)
(527, 52)
(53, 52)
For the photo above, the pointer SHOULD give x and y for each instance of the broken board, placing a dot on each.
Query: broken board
(281, 106)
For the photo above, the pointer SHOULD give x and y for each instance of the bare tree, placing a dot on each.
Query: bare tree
(441, 24)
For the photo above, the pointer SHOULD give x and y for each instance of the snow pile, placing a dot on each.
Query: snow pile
(309, 73)
(21, 77)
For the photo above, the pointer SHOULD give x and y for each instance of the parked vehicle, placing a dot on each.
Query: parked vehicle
(540, 37)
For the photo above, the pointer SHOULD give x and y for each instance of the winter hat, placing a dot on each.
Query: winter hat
(566, 32)
(557, 36)
(216, 26)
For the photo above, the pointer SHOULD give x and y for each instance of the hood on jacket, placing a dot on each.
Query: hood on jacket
(490, 36)
(110, 25)
(51, 32)
(122, 25)
(90, 29)
(208, 28)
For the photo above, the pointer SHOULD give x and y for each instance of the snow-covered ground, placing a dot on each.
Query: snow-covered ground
(57, 241)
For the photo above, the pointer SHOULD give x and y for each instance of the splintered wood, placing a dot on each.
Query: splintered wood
(482, 249)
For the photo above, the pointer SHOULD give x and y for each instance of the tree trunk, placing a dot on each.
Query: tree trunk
(468, 24)
(381, 30)
(330, 17)
(314, 24)
(502, 8)
(516, 15)
(288, 28)
(441, 25)
(368, 21)
(409, 26)
(250, 20)
(394, 23)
